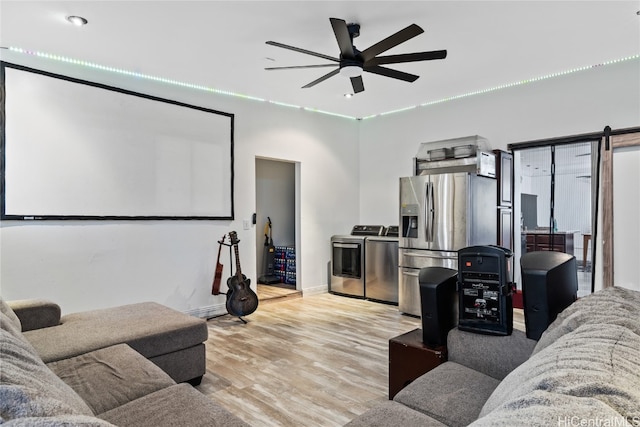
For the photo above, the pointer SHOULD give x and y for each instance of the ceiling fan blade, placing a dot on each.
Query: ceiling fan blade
(323, 78)
(388, 72)
(407, 57)
(343, 37)
(358, 84)
(392, 41)
(297, 49)
(300, 66)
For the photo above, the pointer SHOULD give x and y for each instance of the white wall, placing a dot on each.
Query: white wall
(91, 264)
(578, 103)
(348, 174)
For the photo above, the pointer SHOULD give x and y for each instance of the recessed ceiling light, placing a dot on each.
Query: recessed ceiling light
(78, 21)
(348, 95)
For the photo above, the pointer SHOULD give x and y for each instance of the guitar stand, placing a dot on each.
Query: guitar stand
(234, 244)
(214, 317)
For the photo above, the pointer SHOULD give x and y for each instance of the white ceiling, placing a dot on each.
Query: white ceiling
(221, 44)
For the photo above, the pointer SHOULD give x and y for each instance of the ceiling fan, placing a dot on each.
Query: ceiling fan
(353, 62)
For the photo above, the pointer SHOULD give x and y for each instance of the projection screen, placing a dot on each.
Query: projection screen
(73, 149)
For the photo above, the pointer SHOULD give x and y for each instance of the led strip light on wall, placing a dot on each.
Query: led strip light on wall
(508, 85)
(282, 104)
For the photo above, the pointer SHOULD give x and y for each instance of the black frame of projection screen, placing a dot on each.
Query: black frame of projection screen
(205, 208)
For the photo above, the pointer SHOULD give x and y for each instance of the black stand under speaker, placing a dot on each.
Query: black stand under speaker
(439, 304)
(484, 290)
(549, 285)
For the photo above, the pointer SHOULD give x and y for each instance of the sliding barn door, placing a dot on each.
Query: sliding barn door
(621, 211)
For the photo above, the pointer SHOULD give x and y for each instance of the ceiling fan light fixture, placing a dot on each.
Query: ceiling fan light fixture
(351, 71)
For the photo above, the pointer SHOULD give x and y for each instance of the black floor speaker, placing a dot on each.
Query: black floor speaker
(549, 285)
(438, 303)
(484, 290)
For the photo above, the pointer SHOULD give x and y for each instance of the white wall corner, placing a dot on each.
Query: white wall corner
(316, 290)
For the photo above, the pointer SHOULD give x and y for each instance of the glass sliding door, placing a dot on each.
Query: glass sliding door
(572, 212)
(553, 199)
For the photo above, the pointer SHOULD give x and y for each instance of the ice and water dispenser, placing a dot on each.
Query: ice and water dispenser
(409, 215)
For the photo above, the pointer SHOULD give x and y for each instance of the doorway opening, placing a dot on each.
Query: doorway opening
(276, 225)
(554, 202)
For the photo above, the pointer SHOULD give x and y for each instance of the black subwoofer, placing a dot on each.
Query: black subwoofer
(549, 285)
(438, 303)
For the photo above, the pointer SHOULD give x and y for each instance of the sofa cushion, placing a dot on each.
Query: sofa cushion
(149, 328)
(594, 362)
(543, 408)
(27, 387)
(110, 377)
(391, 413)
(58, 421)
(614, 306)
(444, 393)
(492, 355)
(178, 405)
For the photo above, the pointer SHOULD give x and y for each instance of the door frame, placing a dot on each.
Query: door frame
(297, 216)
(602, 248)
(552, 144)
(611, 140)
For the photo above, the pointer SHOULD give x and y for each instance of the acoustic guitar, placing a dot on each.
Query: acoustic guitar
(241, 300)
(217, 278)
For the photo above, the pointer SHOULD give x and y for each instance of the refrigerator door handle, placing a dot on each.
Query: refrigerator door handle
(428, 212)
(433, 212)
(410, 273)
(419, 255)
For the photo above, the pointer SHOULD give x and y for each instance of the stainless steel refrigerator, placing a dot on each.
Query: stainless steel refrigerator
(449, 205)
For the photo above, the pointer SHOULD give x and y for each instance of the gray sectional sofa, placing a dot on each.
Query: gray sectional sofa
(119, 366)
(584, 370)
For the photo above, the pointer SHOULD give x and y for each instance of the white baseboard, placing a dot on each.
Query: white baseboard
(322, 289)
(221, 309)
(208, 311)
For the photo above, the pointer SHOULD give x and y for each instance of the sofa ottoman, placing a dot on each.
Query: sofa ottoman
(170, 339)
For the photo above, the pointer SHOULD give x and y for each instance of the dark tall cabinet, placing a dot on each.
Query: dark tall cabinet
(529, 203)
(504, 176)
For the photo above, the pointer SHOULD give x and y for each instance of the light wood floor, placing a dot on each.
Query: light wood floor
(315, 361)
(276, 293)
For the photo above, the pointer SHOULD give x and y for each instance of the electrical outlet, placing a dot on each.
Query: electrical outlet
(246, 224)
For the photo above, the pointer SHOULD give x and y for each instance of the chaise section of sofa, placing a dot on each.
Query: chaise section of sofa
(113, 385)
(170, 339)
